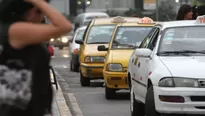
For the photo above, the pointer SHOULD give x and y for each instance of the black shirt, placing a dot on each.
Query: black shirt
(35, 58)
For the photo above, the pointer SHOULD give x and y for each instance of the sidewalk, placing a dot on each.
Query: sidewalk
(60, 107)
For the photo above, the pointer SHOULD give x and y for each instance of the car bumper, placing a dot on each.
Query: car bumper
(116, 80)
(194, 100)
(93, 71)
(75, 59)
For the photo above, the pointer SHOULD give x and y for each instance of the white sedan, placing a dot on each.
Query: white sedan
(166, 74)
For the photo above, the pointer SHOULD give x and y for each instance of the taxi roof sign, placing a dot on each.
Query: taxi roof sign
(145, 20)
(119, 19)
(200, 19)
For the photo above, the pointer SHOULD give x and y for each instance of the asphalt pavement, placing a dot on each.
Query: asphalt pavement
(86, 101)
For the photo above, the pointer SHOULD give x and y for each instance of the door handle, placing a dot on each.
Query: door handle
(138, 64)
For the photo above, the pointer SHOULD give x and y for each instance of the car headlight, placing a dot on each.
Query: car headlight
(95, 59)
(178, 82)
(114, 67)
(51, 39)
(64, 39)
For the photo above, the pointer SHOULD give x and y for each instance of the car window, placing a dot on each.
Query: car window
(147, 39)
(130, 37)
(79, 35)
(183, 38)
(100, 34)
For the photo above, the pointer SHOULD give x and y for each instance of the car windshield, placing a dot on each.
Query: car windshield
(183, 40)
(100, 34)
(79, 35)
(129, 37)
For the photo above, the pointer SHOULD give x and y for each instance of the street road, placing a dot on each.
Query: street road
(86, 101)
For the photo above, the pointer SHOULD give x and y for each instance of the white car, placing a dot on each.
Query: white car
(74, 49)
(167, 72)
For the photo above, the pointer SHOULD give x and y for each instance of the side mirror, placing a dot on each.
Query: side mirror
(79, 42)
(143, 52)
(102, 48)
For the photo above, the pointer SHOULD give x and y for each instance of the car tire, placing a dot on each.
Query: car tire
(75, 68)
(84, 81)
(71, 66)
(109, 93)
(138, 109)
(150, 103)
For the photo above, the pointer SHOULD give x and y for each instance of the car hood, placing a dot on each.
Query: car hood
(193, 67)
(92, 50)
(121, 56)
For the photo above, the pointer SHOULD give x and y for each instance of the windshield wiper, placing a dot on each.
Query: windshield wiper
(116, 43)
(97, 43)
(182, 52)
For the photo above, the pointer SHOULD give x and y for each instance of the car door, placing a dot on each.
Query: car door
(147, 63)
(71, 44)
(139, 68)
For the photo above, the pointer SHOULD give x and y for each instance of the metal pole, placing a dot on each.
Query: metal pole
(106, 4)
(84, 4)
(157, 10)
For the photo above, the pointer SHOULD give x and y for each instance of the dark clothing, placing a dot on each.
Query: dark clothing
(35, 58)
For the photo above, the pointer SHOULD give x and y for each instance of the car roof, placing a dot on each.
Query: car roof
(183, 23)
(109, 20)
(138, 24)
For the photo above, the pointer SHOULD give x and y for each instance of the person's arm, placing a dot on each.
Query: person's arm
(22, 34)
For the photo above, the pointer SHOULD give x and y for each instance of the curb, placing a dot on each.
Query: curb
(59, 104)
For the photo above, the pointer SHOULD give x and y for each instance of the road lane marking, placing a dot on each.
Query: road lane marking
(74, 103)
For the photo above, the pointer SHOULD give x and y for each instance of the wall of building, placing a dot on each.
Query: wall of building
(96, 5)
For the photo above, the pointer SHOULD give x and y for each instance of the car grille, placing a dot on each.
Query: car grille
(202, 83)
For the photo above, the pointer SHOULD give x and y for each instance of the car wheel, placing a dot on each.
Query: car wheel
(136, 108)
(109, 93)
(129, 82)
(150, 104)
(84, 81)
(71, 66)
(76, 68)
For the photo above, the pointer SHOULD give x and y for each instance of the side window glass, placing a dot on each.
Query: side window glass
(147, 39)
(154, 39)
(86, 30)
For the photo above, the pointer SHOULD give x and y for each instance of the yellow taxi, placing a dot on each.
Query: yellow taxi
(127, 36)
(98, 32)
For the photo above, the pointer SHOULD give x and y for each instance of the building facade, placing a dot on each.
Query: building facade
(96, 5)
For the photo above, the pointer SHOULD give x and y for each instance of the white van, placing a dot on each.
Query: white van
(84, 18)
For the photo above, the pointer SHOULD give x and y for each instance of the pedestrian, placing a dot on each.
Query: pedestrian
(195, 12)
(184, 12)
(201, 10)
(25, 86)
